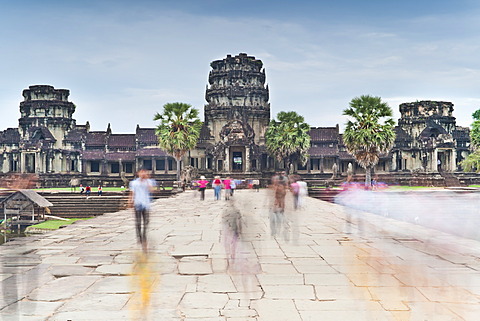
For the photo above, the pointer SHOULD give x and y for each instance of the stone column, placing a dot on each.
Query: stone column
(247, 159)
(22, 162)
(137, 164)
(166, 164)
(103, 167)
(321, 164)
(81, 167)
(226, 162)
(68, 163)
(433, 163)
(154, 165)
(50, 163)
(38, 163)
(453, 157)
(308, 166)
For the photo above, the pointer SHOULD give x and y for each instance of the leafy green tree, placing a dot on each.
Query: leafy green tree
(472, 162)
(287, 139)
(368, 134)
(178, 131)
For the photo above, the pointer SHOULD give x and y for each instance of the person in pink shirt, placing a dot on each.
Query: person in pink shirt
(202, 185)
(228, 188)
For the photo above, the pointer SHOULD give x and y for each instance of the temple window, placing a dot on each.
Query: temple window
(160, 164)
(95, 167)
(172, 165)
(128, 167)
(147, 164)
(114, 168)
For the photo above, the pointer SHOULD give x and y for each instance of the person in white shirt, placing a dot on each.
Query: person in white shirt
(140, 199)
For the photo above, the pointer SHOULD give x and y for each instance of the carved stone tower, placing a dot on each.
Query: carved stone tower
(237, 113)
(46, 107)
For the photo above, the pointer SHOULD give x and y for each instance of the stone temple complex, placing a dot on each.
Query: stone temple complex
(49, 142)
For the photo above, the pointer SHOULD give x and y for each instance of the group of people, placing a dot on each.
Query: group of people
(228, 184)
(88, 190)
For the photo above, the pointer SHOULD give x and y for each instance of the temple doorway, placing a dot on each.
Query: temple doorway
(237, 161)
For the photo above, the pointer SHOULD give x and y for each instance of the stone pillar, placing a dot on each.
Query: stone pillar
(103, 167)
(137, 164)
(226, 162)
(50, 163)
(22, 162)
(38, 163)
(308, 166)
(82, 166)
(321, 164)
(453, 156)
(434, 162)
(68, 163)
(247, 159)
(154, 165)
(166, 164)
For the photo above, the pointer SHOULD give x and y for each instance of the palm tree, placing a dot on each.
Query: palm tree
(472, 162)
(366, 136)
(178, 130)
(287, 139)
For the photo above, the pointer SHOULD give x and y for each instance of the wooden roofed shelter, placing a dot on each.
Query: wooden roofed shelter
(24, 207)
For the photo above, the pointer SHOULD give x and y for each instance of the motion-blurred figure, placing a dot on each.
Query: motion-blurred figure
(202, 185)
(140, 199)
(302, 192)
(217, 187)
(277, 216)
(227, 185)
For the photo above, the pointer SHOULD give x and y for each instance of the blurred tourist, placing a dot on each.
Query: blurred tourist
(202, 185)
(217, 187)
(140, 199)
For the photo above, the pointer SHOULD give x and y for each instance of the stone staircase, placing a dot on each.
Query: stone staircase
(69, 205)
(450, 179)
(324, 194)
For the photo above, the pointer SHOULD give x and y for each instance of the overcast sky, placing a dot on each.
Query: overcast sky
(123, 60)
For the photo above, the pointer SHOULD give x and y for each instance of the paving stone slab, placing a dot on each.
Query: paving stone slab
(278, 310)
(69, 270)
(202, 300)
(63, 288)
(96, 301)
(31, 308)
(195, 266)
(215, 284)
(114, 269)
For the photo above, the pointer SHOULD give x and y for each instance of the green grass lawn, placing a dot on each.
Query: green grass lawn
(405, 187)
(56, 224)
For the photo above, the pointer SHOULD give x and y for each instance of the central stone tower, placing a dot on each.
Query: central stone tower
(237, 114)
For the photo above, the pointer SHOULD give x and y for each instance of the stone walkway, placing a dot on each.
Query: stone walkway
(214, 261)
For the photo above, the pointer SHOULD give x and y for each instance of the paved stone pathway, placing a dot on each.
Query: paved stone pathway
(216, 260)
